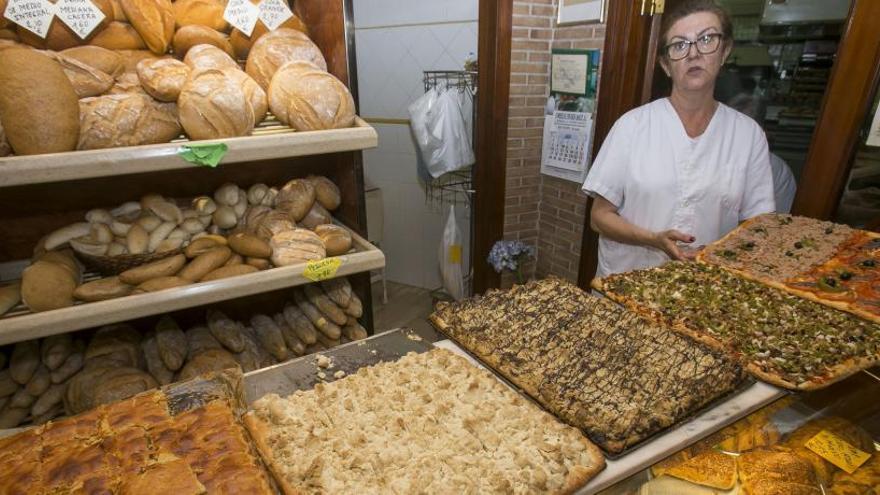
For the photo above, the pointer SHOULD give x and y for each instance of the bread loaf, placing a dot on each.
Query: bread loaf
(258, 263)
(316, 216)
(39, 382)
(11, 417)
(71, 366)
(46, 286)
(213, 107)
(164, 267)
(125, 120)
(118, 36)
(55, 349)
(249, 358)
(24, 361)
(296, 198)
(273, 222)
(205, 263)
(300, 324)
(269, 336)
(85, 79)
(193, 35)
(202, 245)
(318, 319)
(10, 296)
(64, 258)
(117, 344)
(38, 105)
(7, 34)
(337, 240)
(277, 48)
(225, 330)
(252, 91)
(50, 398)
(355, 307)
(162, 78)
(249, 245)
(242, 43)
(171, 343)
(338, 290)
(199, 340)
(161, 283)
(116, 384)
(153, 20)
(320, 300)
(8, 386)
(309, 99)
(107, 61)
(290, 337)
(229, 271)
(326, 192)
(296, 246)
(102, 289)
(212, 360)
(5, 148)
(205, 57)
(354, 331)
(127, 83)
(200, 13)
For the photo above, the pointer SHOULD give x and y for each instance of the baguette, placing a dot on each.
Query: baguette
(8, 386)
(39, 383)
(319, 299)
(225, 330)
(200, 340)
(205, 263)
(355, 307)
(155, 365)
(290, 338)
(338, 290)
(354, 331)
(249, 357)
(102, 289)
(300, 324)
(71, 365)
(22, 399)
(270, 336)
(161, 283)
(202, 245)
(49, 399)
(170, 343)
(165, 267)
(54, 350)
(314, 315)
(25, 361)
(249, 245)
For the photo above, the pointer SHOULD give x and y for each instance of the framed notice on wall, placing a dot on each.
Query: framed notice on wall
(581, 12)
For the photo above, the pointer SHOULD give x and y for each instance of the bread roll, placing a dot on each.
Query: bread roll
(212, 106)
(249, 245)
(337, 240)
(105, 60)
(203, 57)
(242, 43)
(205, 263)
(153, 20)
(102, 289)
(252, 91)
(296, 246)
(316, 216)
(192, 35)
(277, 48)
(86, 80)
(355, 307)
(322, 301)
(125, 120)
(118, 36)
(309, 99)
(38, 105)
(326, 192)
(162, 78)
(273, 222)
(296, 198)
(207, 13)
(46, 286)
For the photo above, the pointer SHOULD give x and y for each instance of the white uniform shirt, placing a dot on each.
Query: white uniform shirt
(783, 184)
(659, 178)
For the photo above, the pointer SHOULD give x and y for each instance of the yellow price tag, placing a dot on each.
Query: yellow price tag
(455, 254)
(322, 269)
(837, 451)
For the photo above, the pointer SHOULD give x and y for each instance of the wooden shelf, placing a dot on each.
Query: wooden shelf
(270, 140)
(20, 324)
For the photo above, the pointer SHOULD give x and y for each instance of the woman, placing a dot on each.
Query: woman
(682, 170)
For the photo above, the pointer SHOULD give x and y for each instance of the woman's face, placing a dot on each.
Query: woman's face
(696, 71)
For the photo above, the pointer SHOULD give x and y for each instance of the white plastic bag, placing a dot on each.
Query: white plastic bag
(440, 131)
(450, 257)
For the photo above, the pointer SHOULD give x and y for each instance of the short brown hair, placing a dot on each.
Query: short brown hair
(688, 7)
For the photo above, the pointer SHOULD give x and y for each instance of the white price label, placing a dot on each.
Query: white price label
(81, 16)
(274, 13)
(242, 15)
(33, 15)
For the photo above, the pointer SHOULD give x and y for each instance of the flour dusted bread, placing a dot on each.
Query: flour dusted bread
(296, 246)
(326, 192)
(153, 20)
(277, 48)
(162, 78)
(469, 414)
(118, 36)
(242, 43)
(252, 91)
(308, 99)
(207, 13)
(336, 239)
(107, 61)
(194, 34)
(125, 120)
(296, 198)
(86, 79)
(206, 56)
(38, 105)
(212, 106)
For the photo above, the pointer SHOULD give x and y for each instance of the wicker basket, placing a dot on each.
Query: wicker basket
(114, 265)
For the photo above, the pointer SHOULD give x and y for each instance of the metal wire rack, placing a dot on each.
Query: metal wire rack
(454, 187)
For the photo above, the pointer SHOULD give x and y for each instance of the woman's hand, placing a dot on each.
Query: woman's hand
(667, 241)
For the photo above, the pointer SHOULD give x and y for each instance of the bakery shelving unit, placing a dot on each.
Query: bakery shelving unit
(41, 193)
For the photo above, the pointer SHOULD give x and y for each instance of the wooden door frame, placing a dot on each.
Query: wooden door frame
(624, 83)
(495, 34)
(848, 98)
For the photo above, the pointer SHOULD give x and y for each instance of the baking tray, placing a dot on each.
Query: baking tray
(744, 385)
(302, 373)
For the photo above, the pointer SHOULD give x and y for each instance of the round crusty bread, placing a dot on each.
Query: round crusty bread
(203, 57)
(207, 13)
(326, 192)
(46, 286)
(254, 93)
(162, 78)
(273, 222)
(317, 215)
(38, 105)
(127, 119)
(212, 106)
(336, 239)
(127, 83)
(277, 48)
(296, 246)
(153, 20)
(86, 79)
(308, 99)
(296, 198)
(194, 34)
(118, 36)
(242, 43)
(105, 60)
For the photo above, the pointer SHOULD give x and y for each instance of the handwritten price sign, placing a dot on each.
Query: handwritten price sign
(242, 15)
(273, 13)
(81, 16)
(322, 269)
(33, 15)
(837, 451)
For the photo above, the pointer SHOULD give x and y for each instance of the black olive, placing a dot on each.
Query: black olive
(798, 245)
(748, 246)
(868, 263)
(789, 253)
(829, 230)
(846, 275)
(830, 281)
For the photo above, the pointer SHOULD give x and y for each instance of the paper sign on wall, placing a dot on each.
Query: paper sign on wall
(81, 16)
(33, 15)
(274, 13)
(242, 15)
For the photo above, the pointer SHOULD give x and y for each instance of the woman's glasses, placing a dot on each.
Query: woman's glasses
(706, 44)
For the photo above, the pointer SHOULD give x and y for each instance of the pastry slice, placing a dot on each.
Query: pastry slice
(776, 471)
(171, 473)
(710, 468)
